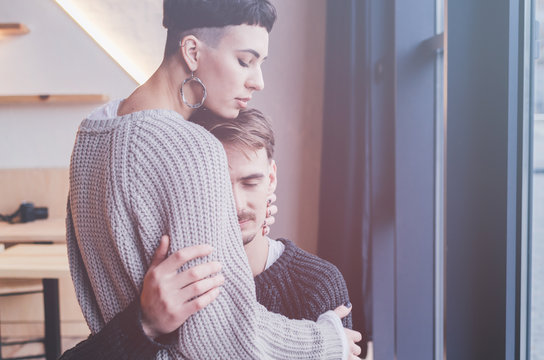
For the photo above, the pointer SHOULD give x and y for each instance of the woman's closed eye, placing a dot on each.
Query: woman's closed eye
(243, 64)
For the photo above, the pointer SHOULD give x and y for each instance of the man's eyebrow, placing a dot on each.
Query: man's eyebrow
(253, 52)
(255, 176)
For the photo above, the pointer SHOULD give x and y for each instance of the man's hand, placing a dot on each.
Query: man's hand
(168, 296)
(352, 335)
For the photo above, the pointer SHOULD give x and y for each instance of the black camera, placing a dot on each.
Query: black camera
(26, 213)
(30, 213)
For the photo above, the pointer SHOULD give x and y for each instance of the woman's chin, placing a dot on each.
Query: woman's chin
(228, 114)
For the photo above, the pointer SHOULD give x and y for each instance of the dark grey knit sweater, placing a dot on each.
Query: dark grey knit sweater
(298, 285)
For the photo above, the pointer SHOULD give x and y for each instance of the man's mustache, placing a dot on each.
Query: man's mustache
(246, 215)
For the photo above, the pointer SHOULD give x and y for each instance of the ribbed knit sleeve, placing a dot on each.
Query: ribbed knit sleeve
(154, 173)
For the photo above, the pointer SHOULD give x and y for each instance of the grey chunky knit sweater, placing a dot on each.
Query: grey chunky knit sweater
(138, 176)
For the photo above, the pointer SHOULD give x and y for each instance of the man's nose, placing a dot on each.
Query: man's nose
(238, 199)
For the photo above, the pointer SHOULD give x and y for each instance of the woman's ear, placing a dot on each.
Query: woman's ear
(190, 49)
(272, 175)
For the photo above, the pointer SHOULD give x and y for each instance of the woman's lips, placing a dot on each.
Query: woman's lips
(242, 102)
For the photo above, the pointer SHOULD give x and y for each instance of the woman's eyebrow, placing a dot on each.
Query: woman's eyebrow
(253, 52)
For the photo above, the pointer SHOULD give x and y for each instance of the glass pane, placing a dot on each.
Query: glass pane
(537, 216)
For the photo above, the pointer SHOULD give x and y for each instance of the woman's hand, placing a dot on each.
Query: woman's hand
(271, 210)
(352, 335)
(169, 297)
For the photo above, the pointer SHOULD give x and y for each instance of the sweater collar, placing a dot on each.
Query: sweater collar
(283, 262)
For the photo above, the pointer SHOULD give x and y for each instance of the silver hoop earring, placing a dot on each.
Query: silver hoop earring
(193, 78)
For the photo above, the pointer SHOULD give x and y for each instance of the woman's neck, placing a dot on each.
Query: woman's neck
(160, 91)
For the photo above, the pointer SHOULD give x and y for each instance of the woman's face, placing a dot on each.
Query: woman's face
(231, 71)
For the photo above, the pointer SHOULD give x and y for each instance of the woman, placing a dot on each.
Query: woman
(140, 170)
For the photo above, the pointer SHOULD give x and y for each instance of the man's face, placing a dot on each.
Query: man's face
(253, 178)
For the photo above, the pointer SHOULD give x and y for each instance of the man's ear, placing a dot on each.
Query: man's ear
(190, 51)
(273, 177)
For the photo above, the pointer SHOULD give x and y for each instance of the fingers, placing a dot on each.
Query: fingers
(353, 335)
(180, 257)
(271, 198)
(197, 273)
(269, 221)
(160, 252)
(162, 310)
(202, 301)
(342, 311)
(272, 210)
(355, 349)
(201, 287)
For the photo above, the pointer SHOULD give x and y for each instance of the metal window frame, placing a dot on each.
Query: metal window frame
(406, 204)
(487, 179)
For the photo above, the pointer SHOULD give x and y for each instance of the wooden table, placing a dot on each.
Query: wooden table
(48, 230)
(48, 262)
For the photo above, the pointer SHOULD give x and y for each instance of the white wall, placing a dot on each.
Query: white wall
(293, 98)
(58, 57)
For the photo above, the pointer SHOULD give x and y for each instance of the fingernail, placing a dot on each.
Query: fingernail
(347, 304)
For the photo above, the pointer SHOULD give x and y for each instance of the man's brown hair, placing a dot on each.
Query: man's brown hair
(251, 129)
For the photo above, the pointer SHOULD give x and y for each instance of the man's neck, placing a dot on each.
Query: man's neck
(257, 254)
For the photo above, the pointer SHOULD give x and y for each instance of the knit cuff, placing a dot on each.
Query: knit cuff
(334, 335)
(130, 324)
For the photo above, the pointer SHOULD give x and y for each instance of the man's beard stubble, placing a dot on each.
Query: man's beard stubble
(246, 215)
(247, 239)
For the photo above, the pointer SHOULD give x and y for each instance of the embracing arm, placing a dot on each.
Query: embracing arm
(122, 338)
(180, 179)
(131, 333)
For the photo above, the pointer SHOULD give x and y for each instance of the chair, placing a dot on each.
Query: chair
(19, 287)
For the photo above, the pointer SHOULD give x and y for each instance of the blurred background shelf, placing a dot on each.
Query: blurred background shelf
(13, 29)
(50, 98)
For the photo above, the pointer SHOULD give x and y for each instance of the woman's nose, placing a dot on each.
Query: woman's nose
(256, 81)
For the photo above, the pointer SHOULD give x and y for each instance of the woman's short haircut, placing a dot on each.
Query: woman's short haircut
(184, 17)
(250, 130)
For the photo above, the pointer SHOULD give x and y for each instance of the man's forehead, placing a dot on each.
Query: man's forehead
(245, 162)
(251, 154)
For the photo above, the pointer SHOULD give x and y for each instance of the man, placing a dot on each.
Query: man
(288, 280)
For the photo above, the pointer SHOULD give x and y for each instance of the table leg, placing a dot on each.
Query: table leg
(52, 318)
